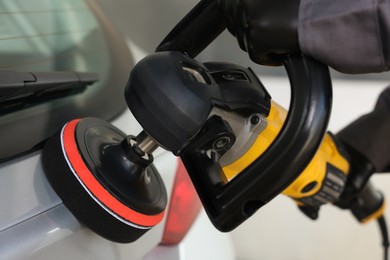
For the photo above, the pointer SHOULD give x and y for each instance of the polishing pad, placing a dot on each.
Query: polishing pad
(93, 168)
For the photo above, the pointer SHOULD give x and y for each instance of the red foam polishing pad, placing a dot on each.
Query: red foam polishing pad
(116, 198)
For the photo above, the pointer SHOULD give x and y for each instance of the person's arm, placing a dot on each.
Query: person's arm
(352, 36)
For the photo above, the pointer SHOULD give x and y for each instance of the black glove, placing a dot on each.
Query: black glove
(266, 29)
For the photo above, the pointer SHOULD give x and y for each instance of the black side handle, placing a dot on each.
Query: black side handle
(282, 163)
(229, 205)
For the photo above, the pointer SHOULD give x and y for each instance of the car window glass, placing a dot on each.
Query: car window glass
(44, 35)
(64, 35)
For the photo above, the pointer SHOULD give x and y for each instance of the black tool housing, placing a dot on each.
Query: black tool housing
(172, 105)
(229, 204)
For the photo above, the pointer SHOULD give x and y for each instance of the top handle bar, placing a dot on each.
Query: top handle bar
(294, 147)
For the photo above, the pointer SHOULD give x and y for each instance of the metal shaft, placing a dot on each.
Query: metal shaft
(146, 143)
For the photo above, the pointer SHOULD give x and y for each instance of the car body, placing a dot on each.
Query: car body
(73, 35)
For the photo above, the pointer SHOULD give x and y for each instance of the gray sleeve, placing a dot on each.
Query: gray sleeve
(351, 36)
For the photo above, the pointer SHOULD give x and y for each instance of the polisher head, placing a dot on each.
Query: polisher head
(105, 184)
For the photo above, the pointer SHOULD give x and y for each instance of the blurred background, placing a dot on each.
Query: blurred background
(278, 230)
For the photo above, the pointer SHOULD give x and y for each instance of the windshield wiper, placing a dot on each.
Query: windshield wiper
(20, 89)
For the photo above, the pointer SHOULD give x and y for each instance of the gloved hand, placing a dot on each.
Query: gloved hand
(266, 29)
